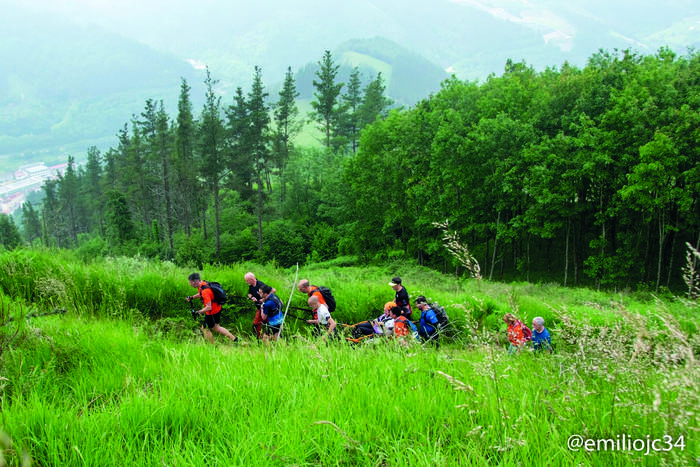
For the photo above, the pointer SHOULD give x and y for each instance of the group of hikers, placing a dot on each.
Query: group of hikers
(395, 322)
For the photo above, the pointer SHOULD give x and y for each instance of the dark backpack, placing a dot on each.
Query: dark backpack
(279, 306)
(327, 296)
(441, 314)
(219, 292)
(527, 333)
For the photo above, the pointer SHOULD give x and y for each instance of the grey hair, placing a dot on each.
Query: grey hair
(539, 321)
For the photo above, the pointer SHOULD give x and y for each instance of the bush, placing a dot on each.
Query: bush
(242, 246)
(284, 243)
(325, 243)
(91, 248)
(192, 251)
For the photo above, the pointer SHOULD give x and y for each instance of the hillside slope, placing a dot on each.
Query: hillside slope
(70, 85)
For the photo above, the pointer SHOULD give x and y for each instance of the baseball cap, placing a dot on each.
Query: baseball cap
(395, 281)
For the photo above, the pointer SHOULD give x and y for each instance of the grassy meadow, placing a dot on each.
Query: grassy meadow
(123, 377)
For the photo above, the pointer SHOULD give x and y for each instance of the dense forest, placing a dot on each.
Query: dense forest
(579, 176)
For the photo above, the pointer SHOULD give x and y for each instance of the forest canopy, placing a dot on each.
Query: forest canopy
(572, 175)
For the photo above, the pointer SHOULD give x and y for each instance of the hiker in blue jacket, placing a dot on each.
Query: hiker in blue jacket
(272, 313)
(541, 340)
(428, 329)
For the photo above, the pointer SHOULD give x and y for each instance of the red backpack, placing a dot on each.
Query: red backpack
(527, 333)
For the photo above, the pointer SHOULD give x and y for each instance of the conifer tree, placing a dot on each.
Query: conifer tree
(211, 141)
(286, 126)
(259, 121)
(9, 234)
(164, 147)
(186, 196)
(31, 223)
(374, 102)
(91, 190)
(325, 104)
(349, 125)
(68, 191)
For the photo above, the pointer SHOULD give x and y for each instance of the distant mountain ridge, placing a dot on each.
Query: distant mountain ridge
(78, 70)
(65, 84)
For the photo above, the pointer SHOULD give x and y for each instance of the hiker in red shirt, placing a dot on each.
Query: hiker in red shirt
(211, 310)
(402, 330)
(516, 335)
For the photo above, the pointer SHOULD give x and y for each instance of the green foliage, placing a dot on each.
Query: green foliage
(9, 233)
(324, 245)
(192, 250)
(582, 176)
(91, 248)
(288, 245)
(238, 246)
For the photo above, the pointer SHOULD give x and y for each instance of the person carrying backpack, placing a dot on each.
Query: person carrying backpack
(404, 331)
(272, 312)
(517, 333)
(254, 286)
(211, 310)
(315, 291)
(401, 299)
(323, 318)
(429, 324)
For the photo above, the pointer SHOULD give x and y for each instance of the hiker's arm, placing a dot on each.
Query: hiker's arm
(207, 307)
(331, 326)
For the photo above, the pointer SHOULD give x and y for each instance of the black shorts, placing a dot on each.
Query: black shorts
(272, 330)
(212, 320)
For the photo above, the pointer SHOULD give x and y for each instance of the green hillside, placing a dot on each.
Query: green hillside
(71, 86)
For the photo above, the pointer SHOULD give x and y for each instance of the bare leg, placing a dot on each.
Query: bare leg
(207, 335)
(224, 331)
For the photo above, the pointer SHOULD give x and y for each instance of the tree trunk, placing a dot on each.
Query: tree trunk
(259, 214)
(566, 253)
(662, 238)
(495, 244)
(216, 219)
(166, 188)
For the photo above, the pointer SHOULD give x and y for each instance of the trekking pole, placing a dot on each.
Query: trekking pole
(289, 301)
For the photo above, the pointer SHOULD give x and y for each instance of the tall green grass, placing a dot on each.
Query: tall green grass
(134, 288)
(96, 392)
(125, 377)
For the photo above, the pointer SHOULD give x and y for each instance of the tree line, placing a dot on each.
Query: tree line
(575, 175)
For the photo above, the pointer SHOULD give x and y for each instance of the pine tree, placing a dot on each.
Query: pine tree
(374, 102)
(259, 119)
(286, 126)
(349, 126)
(91, 190)
(325, 104)
(68, 190)
(164, 146)
(9, 234)
(187, 198)
(211, 141)
(52, 227)
(238, 138)
(31, 223)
